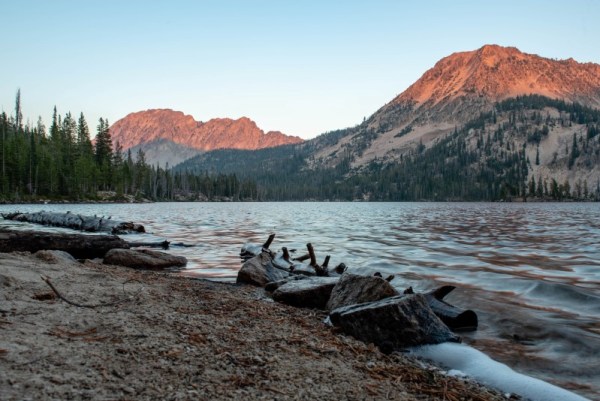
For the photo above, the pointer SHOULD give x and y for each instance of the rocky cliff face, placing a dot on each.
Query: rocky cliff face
(163, 124)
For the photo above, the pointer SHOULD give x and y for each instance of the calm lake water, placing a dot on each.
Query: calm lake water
(530, 271)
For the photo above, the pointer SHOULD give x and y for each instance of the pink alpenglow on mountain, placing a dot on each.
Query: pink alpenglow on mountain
(218, 133)
(496, 73)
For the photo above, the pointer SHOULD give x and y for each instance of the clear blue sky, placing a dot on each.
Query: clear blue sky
(302, 67)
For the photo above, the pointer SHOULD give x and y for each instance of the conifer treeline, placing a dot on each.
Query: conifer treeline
(487, 159)
(63, 163)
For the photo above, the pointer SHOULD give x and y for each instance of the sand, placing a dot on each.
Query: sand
(149, 335)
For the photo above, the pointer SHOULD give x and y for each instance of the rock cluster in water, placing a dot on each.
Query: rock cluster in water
(367, 307)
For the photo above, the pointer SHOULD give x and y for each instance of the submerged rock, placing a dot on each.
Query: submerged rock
(143, 259)
(260, 270)
(393, 323)
(312, 292)
(355, 289)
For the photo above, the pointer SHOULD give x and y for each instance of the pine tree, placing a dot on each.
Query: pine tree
(85, 167)
(532, 187)
(103, 153)
(574, 151)
(18, 113)
(4, 128)
(540, 188)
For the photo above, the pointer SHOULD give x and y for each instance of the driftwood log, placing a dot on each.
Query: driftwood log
(251, 250)
(79, 245)
(162, 244)
(283, 261)
(453, 317)
(77, 222)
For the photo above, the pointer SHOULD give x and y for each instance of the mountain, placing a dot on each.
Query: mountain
(458, 88)
(164, 152)
(489, 124)
(496, 73)
(152, 130)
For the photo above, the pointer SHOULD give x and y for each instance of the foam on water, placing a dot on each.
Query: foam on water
(462, 359)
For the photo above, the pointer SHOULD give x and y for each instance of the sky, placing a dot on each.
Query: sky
(300, 67)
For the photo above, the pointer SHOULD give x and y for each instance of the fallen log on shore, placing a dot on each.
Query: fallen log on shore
(162, 244)
(79, 245)
(283, 261)
(77, 222)
(453, 317)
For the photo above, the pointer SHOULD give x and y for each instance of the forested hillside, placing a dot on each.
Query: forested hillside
(62, 162)
(529, 147)
(500, 155)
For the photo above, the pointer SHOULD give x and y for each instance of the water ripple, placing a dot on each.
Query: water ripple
(531, 271)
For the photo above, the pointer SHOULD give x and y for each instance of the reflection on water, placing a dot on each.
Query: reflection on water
(531, 271)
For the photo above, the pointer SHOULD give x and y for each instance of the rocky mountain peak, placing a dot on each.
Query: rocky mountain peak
(219, 133)
(496, 73)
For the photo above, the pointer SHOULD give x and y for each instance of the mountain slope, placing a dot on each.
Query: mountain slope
(149, 129)
(458, 88)
(527, 147)
(479, 125)
(497, 73)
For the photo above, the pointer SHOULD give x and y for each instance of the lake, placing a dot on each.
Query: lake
(531, 271)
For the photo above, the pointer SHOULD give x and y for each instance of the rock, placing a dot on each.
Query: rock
(54, 257)
(143, 259)
(273, 285)
(311, 292)
(7, 281)
(259, 271)
(393, 323)
(355, 289)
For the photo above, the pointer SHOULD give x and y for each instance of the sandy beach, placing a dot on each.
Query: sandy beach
(149, 335)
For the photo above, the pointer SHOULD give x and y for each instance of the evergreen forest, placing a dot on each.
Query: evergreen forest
(63, 163)
(483, 160)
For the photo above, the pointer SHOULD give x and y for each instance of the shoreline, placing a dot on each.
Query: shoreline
(146, 201)
(172, 337)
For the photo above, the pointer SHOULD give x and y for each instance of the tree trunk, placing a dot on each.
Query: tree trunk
(81, 246)
(76, 222)
(453, 317)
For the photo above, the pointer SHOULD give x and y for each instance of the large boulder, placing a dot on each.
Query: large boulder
(143, 259)
(393, 323)
(260, 270)
(312, 292)
(355, 289)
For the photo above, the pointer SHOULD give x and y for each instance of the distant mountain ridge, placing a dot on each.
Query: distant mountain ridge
(155, 126)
